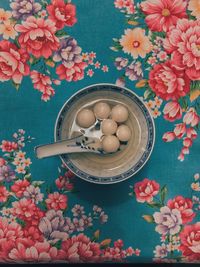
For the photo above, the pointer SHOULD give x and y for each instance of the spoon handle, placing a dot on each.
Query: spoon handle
(62, 147)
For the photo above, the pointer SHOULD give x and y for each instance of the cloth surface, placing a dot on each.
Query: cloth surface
(48, 51)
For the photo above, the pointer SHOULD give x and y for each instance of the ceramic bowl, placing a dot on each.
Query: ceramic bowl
(119, 166)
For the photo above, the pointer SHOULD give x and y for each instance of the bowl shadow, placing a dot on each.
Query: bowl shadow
(107, 194)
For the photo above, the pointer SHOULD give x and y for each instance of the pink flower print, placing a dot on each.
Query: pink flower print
(92, 55)
(4, 194)
(168, 221)
(172, 111)
(38, 36)
(161, 251)
(184, 205)
(183, 43)
(190, 242)
(180, 130)
(19, 187)
(181, 157)
(119, 4)
(168, 136)
(146, 190)
(80, 249)
(2, 162)
(185, 150)
(33, 233)
(162, 55)
(74, 73)
(42, 83)
(161, 15)
(90, 72)
(62, 13)
(152, 60)
(12, 62)
(105, 68)
(167, 82)
(191, 133)
(38, 252)
(191, 117)
(23, 208)
(97, 65)
(56, 201)
(120, 82)
(8, 146)
(137, 252)
(9, 231)
(187, 142)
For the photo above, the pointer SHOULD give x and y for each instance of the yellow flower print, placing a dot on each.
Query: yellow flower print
(136, 43)
(4, 15)
(7, 30)
(195, 186)
(194, 6)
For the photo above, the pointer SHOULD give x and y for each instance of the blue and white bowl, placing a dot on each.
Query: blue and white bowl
(119, 166)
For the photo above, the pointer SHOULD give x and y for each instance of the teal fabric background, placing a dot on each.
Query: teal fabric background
(97, 23)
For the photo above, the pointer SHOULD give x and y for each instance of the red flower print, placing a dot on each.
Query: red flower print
(12, 62)
(146, 190)
(61, 13)
(38, 214)
(92, 55)
(9, 231)
(183, 42)
(190, 242)
(8, 146)
(74, 73)
(7, 246)
(56, 201)
(27, 211)
(42, 83)
(33, 233)
(80, 249)
(168, 136)
(119, 243)
(63, 182)
(162, 14)
(2, 162)
(187, 142)
(19, 187)
(184, 205)
(191, 117)
(172, 111)
(69, 174)
(38, 36)
(3, 194)
(168, 82)
(24, 208)
(38, 252)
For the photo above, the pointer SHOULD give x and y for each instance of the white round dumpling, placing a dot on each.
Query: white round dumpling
(110, 143)
(119, 113)
(85, 118)
(123, 133)
(102, 110)
(108, 127)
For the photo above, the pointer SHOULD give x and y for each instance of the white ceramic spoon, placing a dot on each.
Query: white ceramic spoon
(88, 141)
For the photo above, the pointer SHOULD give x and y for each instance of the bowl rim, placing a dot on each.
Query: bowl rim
(150, 151)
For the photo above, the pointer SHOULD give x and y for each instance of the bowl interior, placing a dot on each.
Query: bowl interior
(116, 166)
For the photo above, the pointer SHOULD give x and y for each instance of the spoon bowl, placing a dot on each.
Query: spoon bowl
(115, 167)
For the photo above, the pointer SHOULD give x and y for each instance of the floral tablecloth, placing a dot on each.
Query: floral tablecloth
(48, 51)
